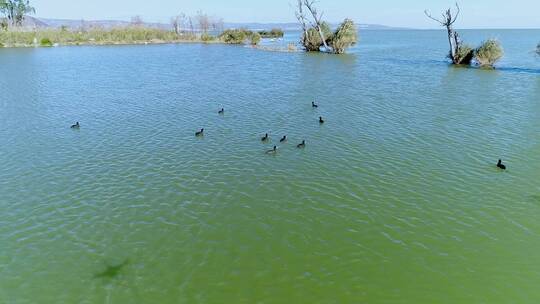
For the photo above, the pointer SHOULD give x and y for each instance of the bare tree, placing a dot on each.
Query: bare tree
(448, 19)
(16, 10)
(317, 20)
(302, 20)
(137, 21)
(83, 26)
(190, 22)
(217, 24)
(203, 21)
(179, 23)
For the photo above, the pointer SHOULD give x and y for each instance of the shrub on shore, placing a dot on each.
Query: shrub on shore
(45, 42)
(205, 37)
(240, 36)
(488, 53)
(274, 33)
(237, 36)
(255, 38)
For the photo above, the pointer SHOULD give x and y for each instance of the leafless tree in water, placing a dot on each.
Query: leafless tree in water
(447, 20)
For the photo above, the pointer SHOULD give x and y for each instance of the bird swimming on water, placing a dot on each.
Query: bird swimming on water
(199, 133)
(265, 137)
(500, 165)
(321, 121)
(283, 139)
(76, 126)
(272, 151)
(313, 105)
(222, 111)
(301, 145)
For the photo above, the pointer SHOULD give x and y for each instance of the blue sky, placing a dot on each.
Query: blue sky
(475, 13)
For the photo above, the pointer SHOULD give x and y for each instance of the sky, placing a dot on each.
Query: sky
(399, 13)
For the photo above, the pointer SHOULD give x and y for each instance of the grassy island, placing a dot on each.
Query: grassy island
(97, 36)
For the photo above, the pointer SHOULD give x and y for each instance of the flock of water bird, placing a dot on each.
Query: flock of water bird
(266, 138)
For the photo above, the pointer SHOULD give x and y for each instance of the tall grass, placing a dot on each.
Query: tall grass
(120, 35)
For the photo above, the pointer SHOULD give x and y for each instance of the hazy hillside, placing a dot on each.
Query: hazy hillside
(56, 23)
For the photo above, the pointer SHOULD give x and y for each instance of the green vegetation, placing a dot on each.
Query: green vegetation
(237, 36)
(274, 33)
(344, 37)
(464, 55)
(311, 39)
(121, 35)
(459, 53)
(205, 37)
(45, 42)
(240, 36)
(488, 53)
(255, 38)
(317, 36)
(95, 36)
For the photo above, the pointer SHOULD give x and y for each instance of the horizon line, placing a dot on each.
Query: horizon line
(400, 27)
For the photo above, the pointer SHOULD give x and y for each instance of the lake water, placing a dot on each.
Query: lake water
(395, 199)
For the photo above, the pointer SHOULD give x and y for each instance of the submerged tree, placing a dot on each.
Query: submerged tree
(15, 10)
(316, 34)
(488, 53)
(459, 53)
(344, 37)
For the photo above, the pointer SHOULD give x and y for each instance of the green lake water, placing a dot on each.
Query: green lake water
(395, 199)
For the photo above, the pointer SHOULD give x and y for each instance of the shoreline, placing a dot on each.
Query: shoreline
(150, 42)
(110, 43)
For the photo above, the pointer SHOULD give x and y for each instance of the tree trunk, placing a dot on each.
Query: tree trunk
(452, 54)
(322, 37)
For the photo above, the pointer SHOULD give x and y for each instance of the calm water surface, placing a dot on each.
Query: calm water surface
(395, 199)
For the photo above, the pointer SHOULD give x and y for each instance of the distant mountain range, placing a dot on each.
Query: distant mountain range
(70, 23)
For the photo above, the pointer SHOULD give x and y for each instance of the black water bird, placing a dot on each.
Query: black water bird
(272, 151)
(301, 145)
(265, 137)
(222, 111)
(76, 126)
(313, 105)
(321, 121)
(200, 133)
(283, 139)
(500, 165)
